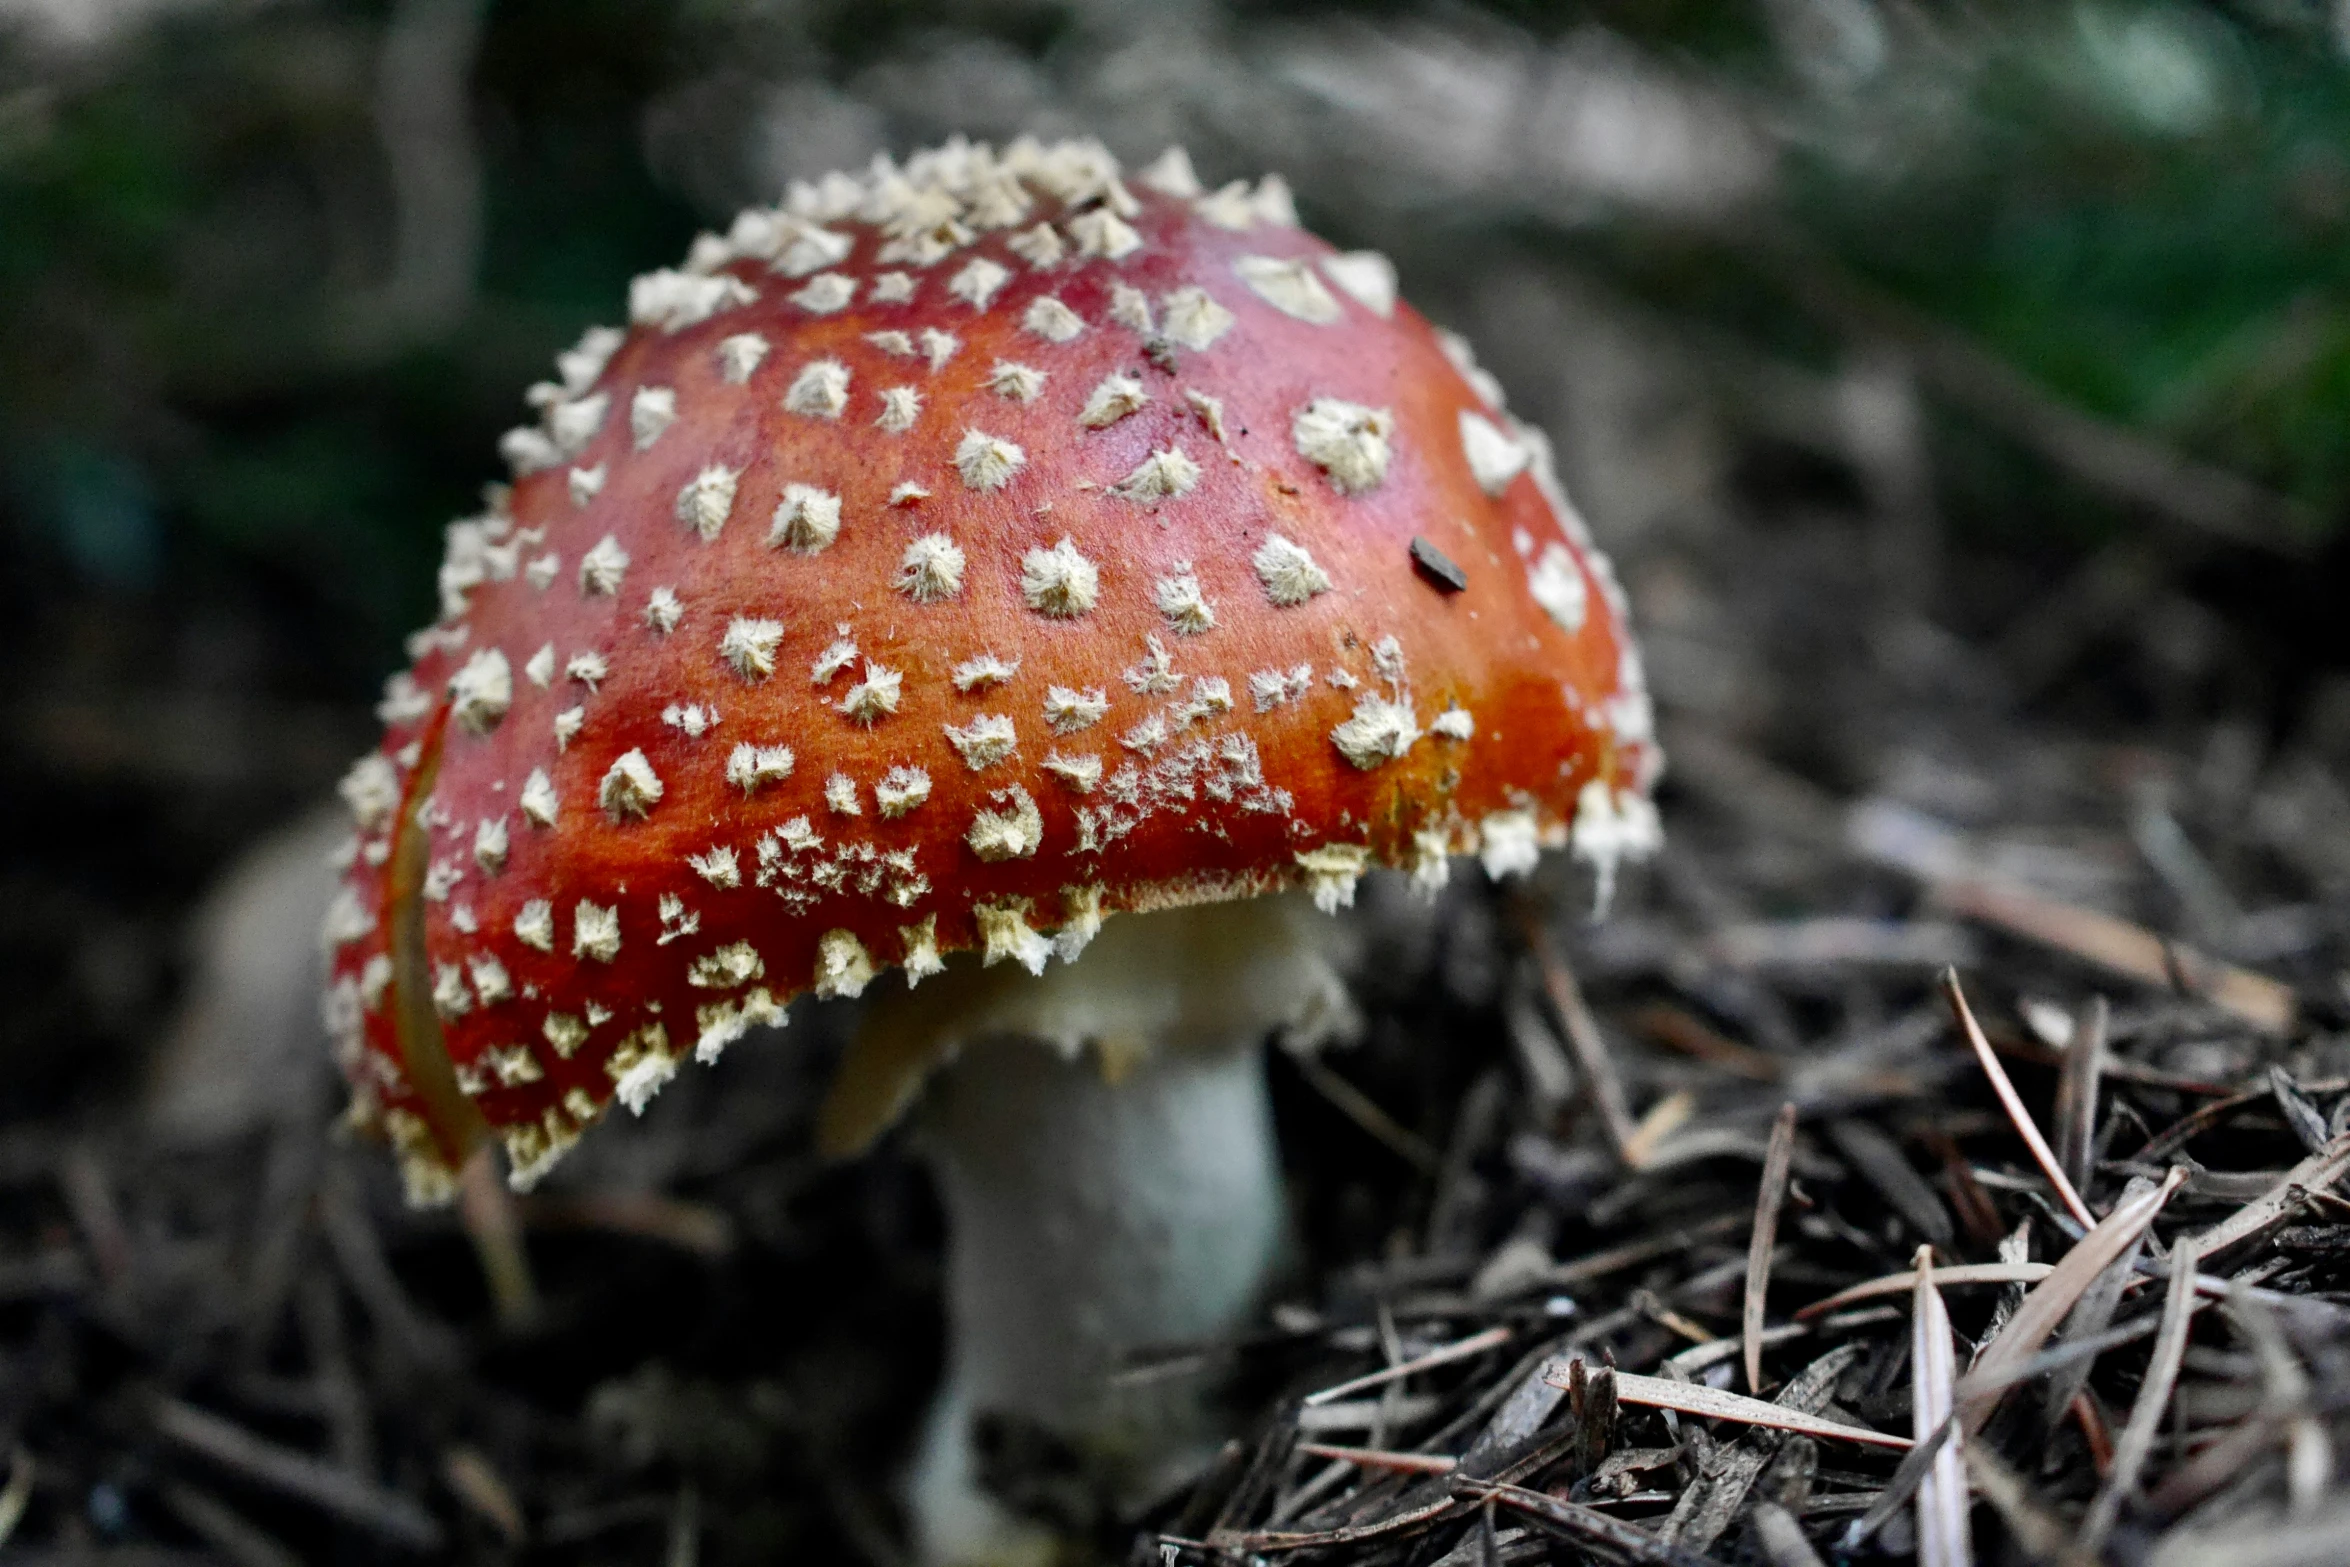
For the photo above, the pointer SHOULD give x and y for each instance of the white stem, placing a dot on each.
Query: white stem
(1092, 1214)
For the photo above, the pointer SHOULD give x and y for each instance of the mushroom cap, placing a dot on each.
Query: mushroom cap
(950, 558)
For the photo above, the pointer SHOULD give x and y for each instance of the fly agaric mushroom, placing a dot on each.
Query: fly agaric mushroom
(943, 562)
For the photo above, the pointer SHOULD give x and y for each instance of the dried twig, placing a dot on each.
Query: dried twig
(1583, 1036)
(1442, 1355)
(2154, 1391)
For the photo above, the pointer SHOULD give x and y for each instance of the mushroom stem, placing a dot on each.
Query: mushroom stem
(1099, 1204)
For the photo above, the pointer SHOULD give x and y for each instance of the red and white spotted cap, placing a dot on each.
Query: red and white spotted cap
(952, 557)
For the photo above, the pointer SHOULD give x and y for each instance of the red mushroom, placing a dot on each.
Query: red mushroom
(943, 562)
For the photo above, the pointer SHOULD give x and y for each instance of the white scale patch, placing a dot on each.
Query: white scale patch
(706, 500)
(1509, 843)
(894, 343)
(843, 966)
(673, 300)
(900, 790)
(874, 697)
(1347, 441)
(838, 655)
(806, 520)
(1288, 571)
(748, 646)
(1557, 585)
(825, 294)
(1193, 319)
(983, 673)
(1181, 601)
(728, 968)
(978, 282)
(537, 800)
(663, 611)
(1040, 246)
(740, 355)
(1380, 731)
(1271, 688)
(489, 845)
(588, 668)
(481, 691)
(372, 790)
(1080, 773)
(602, 568)
(630, 788)
(1066, 711)
(1103, 233)
(984, 741)
(534, 924)
(907, 494)
(1013, 831)
(840, 795)
(1454, 723)
(922, 959)
(1366, 276)
(1155, 674)
(931, 569)
(1167, 474)
(585, 484)
(987, 462)
(650, 413)
(1004, 933)
(1494, 457)
(893, 288)
(1048, 318)
(595, 932)
(900, 407)
(1111, 400)
(819, 391)
(1331, 873)
(717, 867)
(691, 718)
(752, 767)
(1016, 382)
(1059, 582)
(677, 921)
(1289, 286)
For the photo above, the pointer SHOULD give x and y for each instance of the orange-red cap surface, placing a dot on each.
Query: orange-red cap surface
(951, 558)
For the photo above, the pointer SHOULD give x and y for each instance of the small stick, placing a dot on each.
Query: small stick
(1591, 1053)
(1695, 1398)
(1442, 1355)
(2013, 1102)
(1381, 1458)
(2316, 1173)
(1902, 1283)
(1776, 1164)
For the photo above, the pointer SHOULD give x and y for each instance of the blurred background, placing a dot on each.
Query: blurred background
(1962, 387)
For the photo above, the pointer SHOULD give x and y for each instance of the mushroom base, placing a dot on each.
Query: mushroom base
(1093, 1212)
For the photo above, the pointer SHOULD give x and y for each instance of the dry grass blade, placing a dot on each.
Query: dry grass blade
(2316, 1173)
(1589, 1528)
(1695, 1398)
(1583, 1036)
(2013, 1102)
(1776, 1164)
(2076, 1093)
(2020, 1339)
(2154, 1393)
(1903, 1283)
(1442, 1355)
(1942, 1493)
